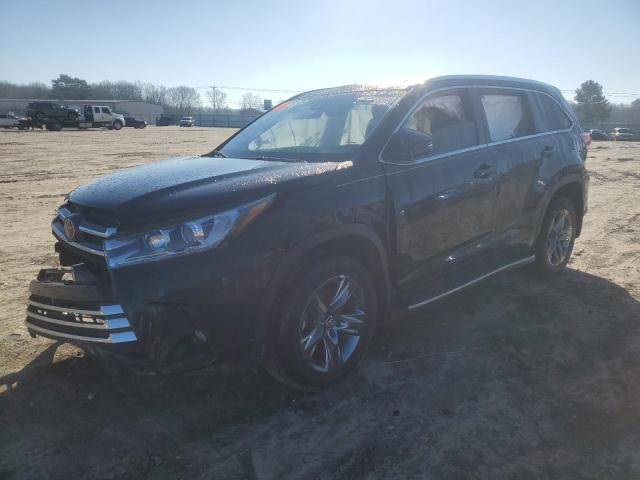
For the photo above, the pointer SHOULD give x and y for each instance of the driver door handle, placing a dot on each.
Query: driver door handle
(484, 171)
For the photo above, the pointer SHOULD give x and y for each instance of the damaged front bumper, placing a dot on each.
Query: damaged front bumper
(67, 304)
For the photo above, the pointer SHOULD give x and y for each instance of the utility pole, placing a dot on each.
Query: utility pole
(213, 98)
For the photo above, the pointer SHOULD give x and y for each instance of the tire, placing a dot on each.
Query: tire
(555, 241)
(117, 125)
(323, 334)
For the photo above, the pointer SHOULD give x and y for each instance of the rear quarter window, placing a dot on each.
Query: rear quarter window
(508, 115)
(553, 116)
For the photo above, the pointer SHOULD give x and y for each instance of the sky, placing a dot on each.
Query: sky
(302, 45)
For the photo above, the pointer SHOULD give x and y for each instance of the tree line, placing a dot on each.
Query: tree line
(590, 104)
(181, 99)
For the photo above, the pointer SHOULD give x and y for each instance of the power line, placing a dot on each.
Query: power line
(610, 94)
(247, 89)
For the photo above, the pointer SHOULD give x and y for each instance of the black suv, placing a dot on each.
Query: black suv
(41, 110)
(335, 210)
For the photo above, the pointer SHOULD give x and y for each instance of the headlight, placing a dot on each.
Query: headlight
(182, 239)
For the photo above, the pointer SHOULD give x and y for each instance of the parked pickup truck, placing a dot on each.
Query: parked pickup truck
(102, 116)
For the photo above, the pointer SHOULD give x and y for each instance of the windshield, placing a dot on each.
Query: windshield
(324, 125)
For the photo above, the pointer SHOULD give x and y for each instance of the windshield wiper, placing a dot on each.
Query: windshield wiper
(274, 159)
(216, 153)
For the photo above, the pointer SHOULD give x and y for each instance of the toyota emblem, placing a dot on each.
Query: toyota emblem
(70, 229)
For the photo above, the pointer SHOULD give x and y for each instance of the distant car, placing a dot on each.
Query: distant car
(9, 120)
(597, 134)
(621, 133)
(133, 122)
(40, 110)
(166, 120)
(187, 122)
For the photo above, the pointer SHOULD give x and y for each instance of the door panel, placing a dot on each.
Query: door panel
(519, 151)
(444, 213)
(444, 204)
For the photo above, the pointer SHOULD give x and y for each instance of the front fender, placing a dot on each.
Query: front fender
(297, 255)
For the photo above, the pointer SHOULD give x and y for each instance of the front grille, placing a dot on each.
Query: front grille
(80, 322)
(90, 235)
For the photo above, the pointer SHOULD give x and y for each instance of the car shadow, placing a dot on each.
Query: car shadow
(508, 335)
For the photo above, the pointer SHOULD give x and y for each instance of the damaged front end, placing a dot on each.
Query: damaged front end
(162, 310)
(71, 304)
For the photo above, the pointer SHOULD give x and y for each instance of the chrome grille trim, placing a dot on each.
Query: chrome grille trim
(89, 245)
(105, 310)
(97, 231)
(58, 232)
(71, 323)
(121, 337)
(106, 324)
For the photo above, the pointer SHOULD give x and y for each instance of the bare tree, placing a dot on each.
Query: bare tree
(217, 98)
(251, 101)
(156, 94)
(32, 90)
(183, 99)
(122, 90)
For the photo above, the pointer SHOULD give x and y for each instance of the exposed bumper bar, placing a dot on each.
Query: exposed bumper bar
(122, 337)
(76, 312)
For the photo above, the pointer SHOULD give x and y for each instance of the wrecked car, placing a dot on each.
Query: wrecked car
(336, 210)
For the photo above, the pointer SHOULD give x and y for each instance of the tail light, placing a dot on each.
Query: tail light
(586, 138)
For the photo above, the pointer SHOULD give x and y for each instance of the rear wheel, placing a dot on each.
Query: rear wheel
(327, 321)
(557, 236)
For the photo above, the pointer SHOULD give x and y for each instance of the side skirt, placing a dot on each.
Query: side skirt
(438, 296)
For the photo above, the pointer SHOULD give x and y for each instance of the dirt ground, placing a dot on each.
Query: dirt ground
(515, 378)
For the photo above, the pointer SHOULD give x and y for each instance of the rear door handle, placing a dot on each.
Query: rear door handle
(547, 151)
(483, 171)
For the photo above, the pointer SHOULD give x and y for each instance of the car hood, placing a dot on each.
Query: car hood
(194, 184)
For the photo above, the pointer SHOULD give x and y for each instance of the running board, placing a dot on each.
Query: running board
(509, 266)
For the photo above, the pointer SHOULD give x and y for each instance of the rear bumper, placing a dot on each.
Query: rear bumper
(68, 305)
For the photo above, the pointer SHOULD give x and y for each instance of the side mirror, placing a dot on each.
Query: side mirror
(406, 145)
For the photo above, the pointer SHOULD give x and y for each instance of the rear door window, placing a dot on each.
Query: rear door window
(554, 117)
(448, 119)
(508, 115)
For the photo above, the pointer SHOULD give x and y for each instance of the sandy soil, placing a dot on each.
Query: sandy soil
(514, 378)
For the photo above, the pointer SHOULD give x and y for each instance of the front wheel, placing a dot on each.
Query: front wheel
(327, 321)
(117, 125)
(557, 236)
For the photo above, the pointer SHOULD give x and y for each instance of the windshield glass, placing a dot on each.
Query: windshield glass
(325, 125)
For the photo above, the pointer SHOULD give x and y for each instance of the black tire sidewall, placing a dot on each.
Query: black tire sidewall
(288, 353)
(542, 262)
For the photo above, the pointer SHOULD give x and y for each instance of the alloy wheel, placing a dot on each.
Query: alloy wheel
(559, 237)
(332, 323)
